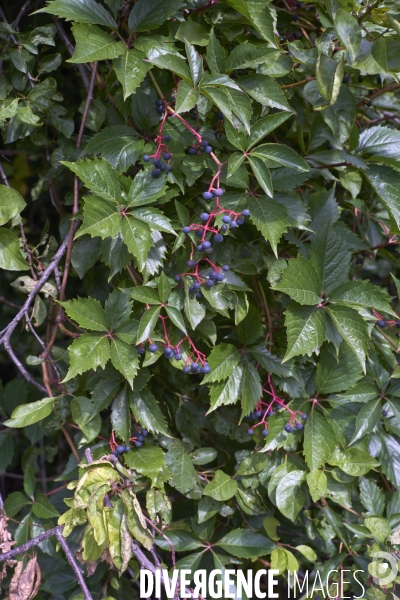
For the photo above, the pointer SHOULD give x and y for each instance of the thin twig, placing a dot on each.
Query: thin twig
(70, 48)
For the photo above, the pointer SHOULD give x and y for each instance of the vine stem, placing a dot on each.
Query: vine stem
(57, 532)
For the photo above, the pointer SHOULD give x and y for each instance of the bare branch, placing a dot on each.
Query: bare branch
(71, 49)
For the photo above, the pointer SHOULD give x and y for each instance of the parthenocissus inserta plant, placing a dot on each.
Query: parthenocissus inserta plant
(200, 356)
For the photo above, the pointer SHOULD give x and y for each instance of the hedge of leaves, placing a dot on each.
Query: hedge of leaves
(203, 199)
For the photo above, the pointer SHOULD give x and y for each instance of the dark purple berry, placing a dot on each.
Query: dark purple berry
(177, 278)
(138, 444)
(192, 151)
(192, 289)
(158, 102)
(163, 167)
(250, 431)
(346, 79)
(186, 229)
(195, 368)
(186, 369)
(197, 285)
(219, 277)
(206, 244)
(168, 353)
(226, 219)
(204, 143)
(146, 158)
(381, 323)
(299, 426)
(295, 17)
(167, 155)
(206, 369)
(226, 268)
(156, 173)
(208, 149)
(233, 224)
(218, 237)
(178, 356)
(198, 233)
(207, 195)
(240, 221)
(265, 432)
(209, 282)
(200, 248)
(246, 212)
(384, 414)
(224, 227)
(288, 428)
(145, 433)
(204, 216)
(397, 325)
(167, 138)
(141, 350)
(218, 192)
(157, 162)
(191, 263)
(153, 348)
(304, 417)
(160, 109)
(120, 449)
(199, 295)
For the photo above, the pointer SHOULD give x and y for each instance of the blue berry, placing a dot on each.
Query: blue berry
(177, 278)
(192, 289)
(295, 17)
(209, 282)
(192, 151)
(141, 350)
(246, 212)
(265, 432)
(397, 325)
(206, 244)
(208, 149)
(304, 417)
(200, 248)
(299, 426)
(250, 431)
(381, 323)
(225, 268)
(195, 368)
(178, 356)
(146, 158)
(197, 285)
(145, 433)
(140, 438)
(204, 143)
(204, 216)
(220, 277)
(240, 221)
(226, 219)
(258, 413)
(167, 138)
(156, 173)
(168, 169)
(224, 227)
(206, 369)
(157, 162)
(167, 155)
(384, 414)
(158, 102)
(233, 224)
(218, 237)
(153, 347)
(160, 109)
(207, 195)
(199, 295)
(168, 353)
(198, 233)
(191, 263)
(120, 449)
(186, 369)
(138, 444)
(115, 453)
(218, 192)
(288, 428)
(213, 274)
(220, 115)
(163, 167)
(186, 229)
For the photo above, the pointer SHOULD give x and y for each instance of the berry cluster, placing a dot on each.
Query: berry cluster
(162, 157)
(263, 410)
(137, 439)
(200, 147)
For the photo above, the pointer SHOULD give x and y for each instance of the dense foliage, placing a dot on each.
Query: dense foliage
(201, 351)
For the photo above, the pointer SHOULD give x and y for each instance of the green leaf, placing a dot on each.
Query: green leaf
(227, 391)
(136, 236)
(367, 418)
(119, 146)
(130, 71)
(195, 62)
(117, 309)
(184, 476)
(148, 461)
(245, 56)
(379, 527)
(43, 508)
(146, 410)
(194, 311)
(143, 293)
(362, 392)
(244, 543)
(385, 182)
(89, 351)
(352, 461)
(317, 484)
(250, 329)
(260, 16)
(269, 217)
(330, 258)
(336, 373)
(329, 77)
(352, 329)
(305, 329)
(187, 97)
(27, 414)
(173, 63)
(289, 497)
(11, 204)
(251, 388)
(279, 154)
(215, 55)
(270, 525)
(222, 360)
(371, 496)
(147, 324)
(80, 11)
(176, 317)
(92, 43)
(99, 177)
(101, 218)
(192, 32)
(319, 441)
(154, 218)
(361, 293)
(11, 258)
(149, 14)
(262, 175)
(145, 189)
(14, 502)
(265, 90)
(120, 416)
(349, 31)
(87, 312)
(222, 487)
(301, 282)
(125, 359)
(381, 143)
(264, 126)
